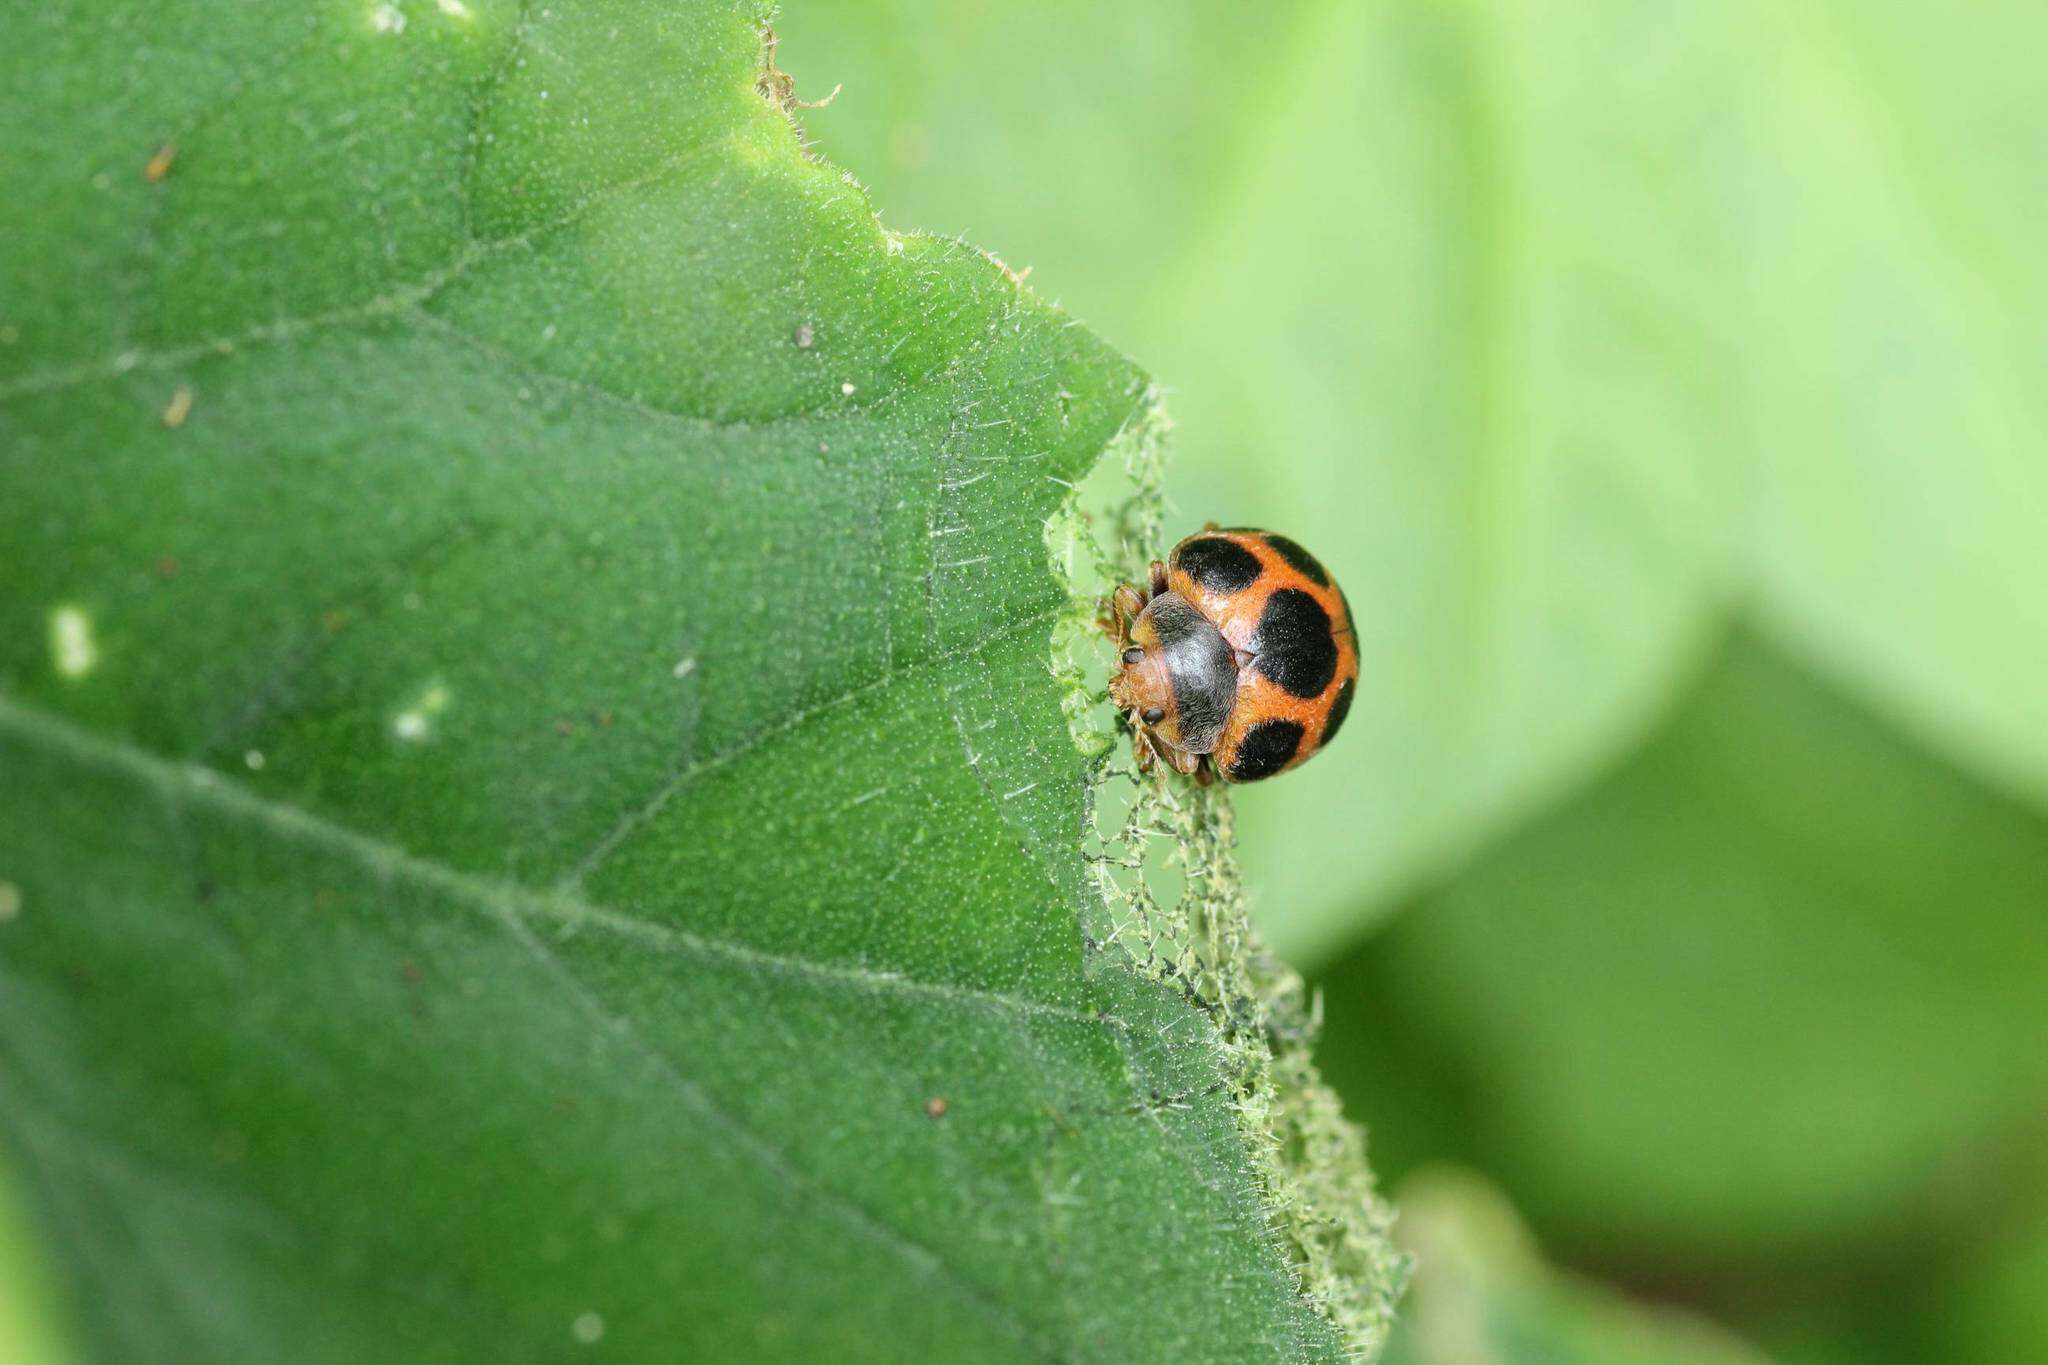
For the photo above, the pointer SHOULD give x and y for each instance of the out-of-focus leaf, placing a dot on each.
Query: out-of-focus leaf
(29, 1334)
(1773, 986)
(1483, 1295)
(536, 810)
(1889, 220)
(1477, 373)
(1994, 1306)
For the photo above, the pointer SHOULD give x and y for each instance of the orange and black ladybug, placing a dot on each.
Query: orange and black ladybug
(1241, 653)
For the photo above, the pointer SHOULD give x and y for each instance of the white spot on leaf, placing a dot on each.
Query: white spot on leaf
(416, 722)
(10, 901)
(454, 9)
(588, 1328)
(72, 648)
(387, 19)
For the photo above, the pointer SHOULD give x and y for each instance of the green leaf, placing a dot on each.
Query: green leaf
(1890, 222)
(1995, 1305)
(539, 806)
(29, 1314)
(1771, 988)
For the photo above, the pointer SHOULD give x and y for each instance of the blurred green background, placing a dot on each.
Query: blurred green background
(1665, 383)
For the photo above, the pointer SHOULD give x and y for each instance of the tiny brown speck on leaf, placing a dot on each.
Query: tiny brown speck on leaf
(935, 1108)
(179, 408)
(565, 727)
(160, 164)
(167, 567)
(411, 973)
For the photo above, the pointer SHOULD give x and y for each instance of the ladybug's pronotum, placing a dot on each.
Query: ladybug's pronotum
(1237, 659)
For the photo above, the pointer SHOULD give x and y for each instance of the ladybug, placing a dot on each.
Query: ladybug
(1237, 660)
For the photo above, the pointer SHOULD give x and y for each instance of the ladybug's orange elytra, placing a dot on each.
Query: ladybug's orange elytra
(1237, 659)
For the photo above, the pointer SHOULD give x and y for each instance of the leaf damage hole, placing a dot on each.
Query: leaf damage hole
(1171, 907)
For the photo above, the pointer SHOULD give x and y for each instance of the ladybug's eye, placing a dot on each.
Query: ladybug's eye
(1153, 715)
(1134, 655)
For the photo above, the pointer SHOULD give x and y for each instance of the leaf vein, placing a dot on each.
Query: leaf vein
(696, 768)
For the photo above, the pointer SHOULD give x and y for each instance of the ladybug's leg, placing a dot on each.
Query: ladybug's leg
(1186, 764)
(1118, 613)
(1158, 578)
(1204, 773)
(1142, 750)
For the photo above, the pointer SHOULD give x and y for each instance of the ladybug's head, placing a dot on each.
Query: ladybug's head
(1177, 675)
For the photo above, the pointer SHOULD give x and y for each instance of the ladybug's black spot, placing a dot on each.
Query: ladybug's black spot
(1293, 645)
(1265, 749)
(1218, 565)
(1300, 560)
(1339, 709)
